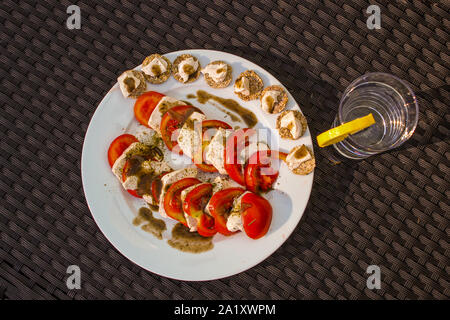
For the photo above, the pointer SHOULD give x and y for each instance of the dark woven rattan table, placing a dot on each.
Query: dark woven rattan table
(391, 210)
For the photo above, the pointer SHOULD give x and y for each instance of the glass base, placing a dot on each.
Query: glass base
(345, 149)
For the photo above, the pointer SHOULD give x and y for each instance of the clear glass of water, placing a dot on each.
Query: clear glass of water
(393, 106)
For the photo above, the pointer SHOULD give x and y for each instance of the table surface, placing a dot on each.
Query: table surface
(390, 210)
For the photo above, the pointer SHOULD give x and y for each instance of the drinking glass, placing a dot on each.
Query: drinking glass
(393, 106)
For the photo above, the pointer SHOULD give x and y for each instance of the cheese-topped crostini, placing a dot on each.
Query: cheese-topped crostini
(248, 85)
(301, 160)
(186, 68)
(156, 68)
(218, 74)
(273, 99)
(132, 83)
(291, 124)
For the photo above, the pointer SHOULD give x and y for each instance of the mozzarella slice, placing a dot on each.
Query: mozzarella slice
(147, 136)
(253, 147)
(171, 178)
(190, 136)
(234, 221)
(191, 222)
(161, 108)
(120, 161)
(216, 148)
(148, 198)
(220, 183)
(153, 167)
(130, 183)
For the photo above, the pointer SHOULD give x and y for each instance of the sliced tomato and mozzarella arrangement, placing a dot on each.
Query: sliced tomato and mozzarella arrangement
(135, 160)
(227, 203)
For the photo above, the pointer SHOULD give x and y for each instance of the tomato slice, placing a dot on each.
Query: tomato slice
(208, 132)
(260, 174)
(171, 122)
(256, 215)
(236, 142)
(194, 205)
(282, 155)
(220, 206)
(196, 200)
(118, 146)
(213, 124)
(206, 167)
(172, 199)
(206, 226)
(145, 104)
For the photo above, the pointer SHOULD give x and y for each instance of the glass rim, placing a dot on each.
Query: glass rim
(414, 121)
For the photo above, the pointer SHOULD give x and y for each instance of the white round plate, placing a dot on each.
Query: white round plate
(113, 208)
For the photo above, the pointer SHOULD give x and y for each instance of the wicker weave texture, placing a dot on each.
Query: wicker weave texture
(391, 210)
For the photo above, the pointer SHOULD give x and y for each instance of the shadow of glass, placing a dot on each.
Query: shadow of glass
(282, 206)
(432, 126)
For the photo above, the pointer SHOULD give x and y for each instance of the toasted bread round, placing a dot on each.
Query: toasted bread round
(142, 83)
(163, 76)
(307, 166)
(225, 82)
(281, 104)
(285, 133)
(255, 83)
(177, 61)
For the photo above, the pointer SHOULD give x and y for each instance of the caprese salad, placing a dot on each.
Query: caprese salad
(229, 202)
